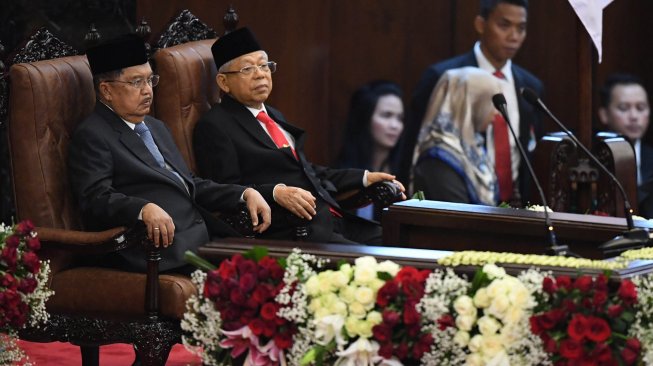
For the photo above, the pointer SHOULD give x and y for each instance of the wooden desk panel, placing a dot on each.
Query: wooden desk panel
(454, 226)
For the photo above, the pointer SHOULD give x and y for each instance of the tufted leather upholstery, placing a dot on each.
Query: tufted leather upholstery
(47, 101)
(186, 91)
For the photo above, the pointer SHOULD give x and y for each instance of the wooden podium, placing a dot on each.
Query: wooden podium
(456, 226)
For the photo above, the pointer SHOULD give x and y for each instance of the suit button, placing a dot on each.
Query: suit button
(199, 221)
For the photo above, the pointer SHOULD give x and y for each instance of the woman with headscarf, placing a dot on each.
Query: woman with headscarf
(450, 162)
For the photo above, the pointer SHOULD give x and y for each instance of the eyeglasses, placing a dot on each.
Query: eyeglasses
(269, 66)
(140, 82)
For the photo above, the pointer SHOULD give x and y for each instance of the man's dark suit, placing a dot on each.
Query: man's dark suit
(114, 175)
(231, 147)
(529, 118)
(645, 190)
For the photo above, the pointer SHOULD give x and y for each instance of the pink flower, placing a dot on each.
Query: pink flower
(240, 340)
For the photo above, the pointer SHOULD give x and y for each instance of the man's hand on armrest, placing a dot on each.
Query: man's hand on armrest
(375, 177)
(257, 206)
(160, 227)
(299, 202)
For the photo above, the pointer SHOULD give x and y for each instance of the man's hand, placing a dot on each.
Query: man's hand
(375, 177)
(296, 200)
(160, 228)
(257, 206)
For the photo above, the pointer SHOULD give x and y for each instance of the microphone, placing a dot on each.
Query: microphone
(500, 104)
(630, 239)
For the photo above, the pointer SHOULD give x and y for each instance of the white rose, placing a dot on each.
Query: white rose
(374, 317)
(474, 360)
(498, 307)
(481, 299)
(464, 305)
(364, 328)
(348, 294)
(475, 343)
(367, 261)
(500, 359)
(494, 271)
(338, 307)
(347, 270)
(513, 315)
(487, 325)
(351, 324)
(519, 296)
(498, 288)
(313, 286)
(376, 284)
(461, 338)
(364, 295)
(390, 267)
(339, 279)
(465, 322)
(357, 310)
(325, 282)
(491, 346)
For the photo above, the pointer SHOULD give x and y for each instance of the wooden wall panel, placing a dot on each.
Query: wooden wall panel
(327, 48)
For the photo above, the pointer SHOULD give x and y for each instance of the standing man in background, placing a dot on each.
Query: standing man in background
(501, 27)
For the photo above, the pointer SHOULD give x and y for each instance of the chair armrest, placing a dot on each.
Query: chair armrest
(382, 194)
(93, 242)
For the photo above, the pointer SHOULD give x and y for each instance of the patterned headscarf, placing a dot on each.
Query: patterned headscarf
(458, 112)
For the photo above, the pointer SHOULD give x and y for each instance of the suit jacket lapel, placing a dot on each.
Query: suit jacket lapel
(170, 158)
(133, 143)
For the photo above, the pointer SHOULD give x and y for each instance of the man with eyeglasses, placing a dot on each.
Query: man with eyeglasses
(244, 141)
(125, 167)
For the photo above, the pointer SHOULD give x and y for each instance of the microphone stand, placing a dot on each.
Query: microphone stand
(499, 102)
(630, 239)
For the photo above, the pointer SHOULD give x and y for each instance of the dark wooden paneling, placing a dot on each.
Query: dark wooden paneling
(326, 49)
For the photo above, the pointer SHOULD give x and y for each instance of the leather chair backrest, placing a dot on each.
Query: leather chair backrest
(186, 91)
(47, 101)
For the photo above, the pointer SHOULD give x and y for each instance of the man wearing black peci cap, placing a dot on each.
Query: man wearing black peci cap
(244, 141)
(125, 167)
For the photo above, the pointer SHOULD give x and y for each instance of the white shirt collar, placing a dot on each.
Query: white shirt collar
(255, 111)
(485, 64)
(129, 124)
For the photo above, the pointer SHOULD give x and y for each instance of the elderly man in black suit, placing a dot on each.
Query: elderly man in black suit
(501, 26)
(125, 167)
(244, 141)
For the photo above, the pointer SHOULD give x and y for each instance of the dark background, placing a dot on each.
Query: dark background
(326, 48)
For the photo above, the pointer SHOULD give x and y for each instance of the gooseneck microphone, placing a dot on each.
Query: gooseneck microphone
(499, 101)
(631, 238)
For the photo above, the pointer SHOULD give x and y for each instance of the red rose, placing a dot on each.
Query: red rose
(13, 241)
(31, 261)
(24, 227)
(634, 344)
(382, 333)
(247, 266)
(550, 344)
(563, 282)
(549, 319)
(601, 282)
(9, 256)
(33, 243)
(27, 285)
(401, 351)
(387, 292)
(237, 297)
(226, 270)
(615, 310)
(627, 292)
(283, 340)
(600, 297)
(536, 328)
(413, 289)
(385, 350)
(446, 321)
(599, 330)
(569, 305)
(261, 293)
(392, 318)
(423, 275)
(549, 286)
(269, 311)
(629, 356)
(571, 349)
(577, 328)
(406, 273)
(8, 280)
(247, 282)
(411, 316)
(256, 325)
(602, 353)
(583, 283)
(269, 329)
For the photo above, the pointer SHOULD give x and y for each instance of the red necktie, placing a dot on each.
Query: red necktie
(502, 160)
(275, 132)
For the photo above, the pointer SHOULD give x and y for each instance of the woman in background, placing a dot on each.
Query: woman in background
(374, 125)
(450, 162)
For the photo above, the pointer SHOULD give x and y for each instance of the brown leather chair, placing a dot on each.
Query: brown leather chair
(91, 306)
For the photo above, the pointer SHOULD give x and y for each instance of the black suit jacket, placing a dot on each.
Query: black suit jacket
(645, 190)
(232, 147)
(529, 117)
(114, 175)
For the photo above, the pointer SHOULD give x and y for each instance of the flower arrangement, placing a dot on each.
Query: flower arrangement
(586, 321)
(245, 308)
(479, 323)
(342, 307)
(641, 329)
(23, 287)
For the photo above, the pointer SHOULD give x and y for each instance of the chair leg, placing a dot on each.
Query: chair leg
(151, 354)
(90, 355)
